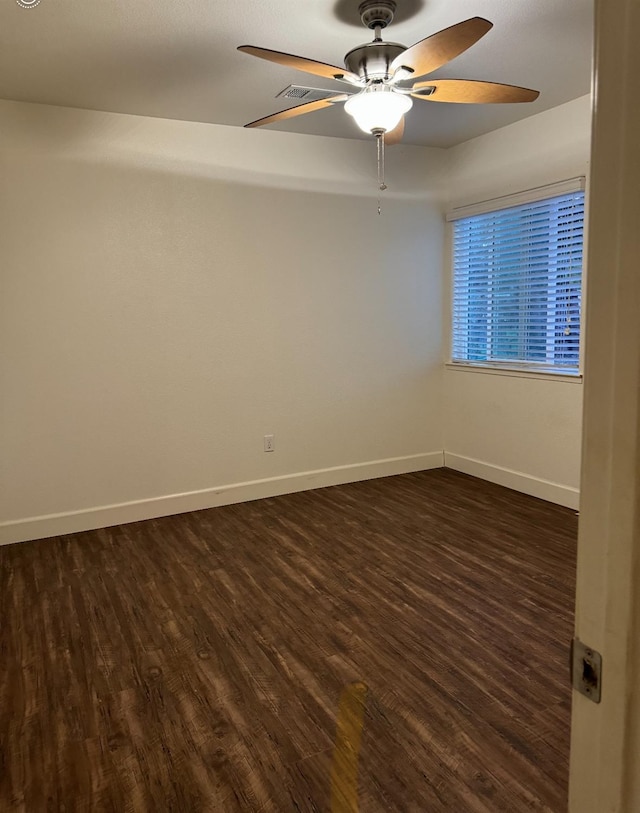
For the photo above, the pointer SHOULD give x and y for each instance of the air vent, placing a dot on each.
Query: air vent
(302, 94)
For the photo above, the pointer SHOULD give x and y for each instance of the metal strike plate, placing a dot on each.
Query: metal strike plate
(586, 670)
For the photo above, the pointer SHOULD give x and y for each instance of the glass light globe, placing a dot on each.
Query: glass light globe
(378, 108)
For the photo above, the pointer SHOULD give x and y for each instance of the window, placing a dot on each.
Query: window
(517, 281)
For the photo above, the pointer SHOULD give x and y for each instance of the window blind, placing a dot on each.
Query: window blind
(517, 283)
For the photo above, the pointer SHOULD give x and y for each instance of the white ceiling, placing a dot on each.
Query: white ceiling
(177, 58)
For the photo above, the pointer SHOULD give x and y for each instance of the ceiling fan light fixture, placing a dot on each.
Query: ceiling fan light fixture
(378, 108)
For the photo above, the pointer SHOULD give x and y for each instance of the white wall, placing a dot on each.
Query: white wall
(170, 292)
(521, 432)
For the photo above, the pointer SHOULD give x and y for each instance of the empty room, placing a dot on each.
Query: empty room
(292, 319)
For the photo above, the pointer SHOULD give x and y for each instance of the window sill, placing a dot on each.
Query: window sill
(514, 372)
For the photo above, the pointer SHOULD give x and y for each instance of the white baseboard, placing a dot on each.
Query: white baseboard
(535, 486)
(102, 517)
(119, 514)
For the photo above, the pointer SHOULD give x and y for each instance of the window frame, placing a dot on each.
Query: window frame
(525, 369)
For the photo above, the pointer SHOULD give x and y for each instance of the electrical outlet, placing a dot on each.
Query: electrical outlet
(269, 444)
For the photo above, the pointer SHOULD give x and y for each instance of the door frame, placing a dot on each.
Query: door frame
(605, 737)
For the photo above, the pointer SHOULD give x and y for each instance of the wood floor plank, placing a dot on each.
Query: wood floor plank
(195, 663)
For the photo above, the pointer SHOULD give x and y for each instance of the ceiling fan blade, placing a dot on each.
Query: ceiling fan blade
(299, 110)
(301, 63)
(468, 91)
(435, 51)
(395, 136)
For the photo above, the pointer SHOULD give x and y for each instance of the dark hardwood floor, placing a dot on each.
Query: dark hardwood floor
(195, 663)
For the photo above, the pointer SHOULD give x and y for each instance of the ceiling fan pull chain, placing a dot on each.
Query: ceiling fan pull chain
(381, 184)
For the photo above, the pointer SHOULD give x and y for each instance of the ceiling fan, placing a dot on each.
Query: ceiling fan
(379, 74)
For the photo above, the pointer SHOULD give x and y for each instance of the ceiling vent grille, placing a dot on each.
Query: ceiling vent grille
(303, 94)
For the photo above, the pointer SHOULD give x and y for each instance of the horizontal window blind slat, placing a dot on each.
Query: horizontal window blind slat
(532, 225)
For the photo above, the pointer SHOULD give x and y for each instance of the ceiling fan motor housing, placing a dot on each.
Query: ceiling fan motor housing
(373, 60)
